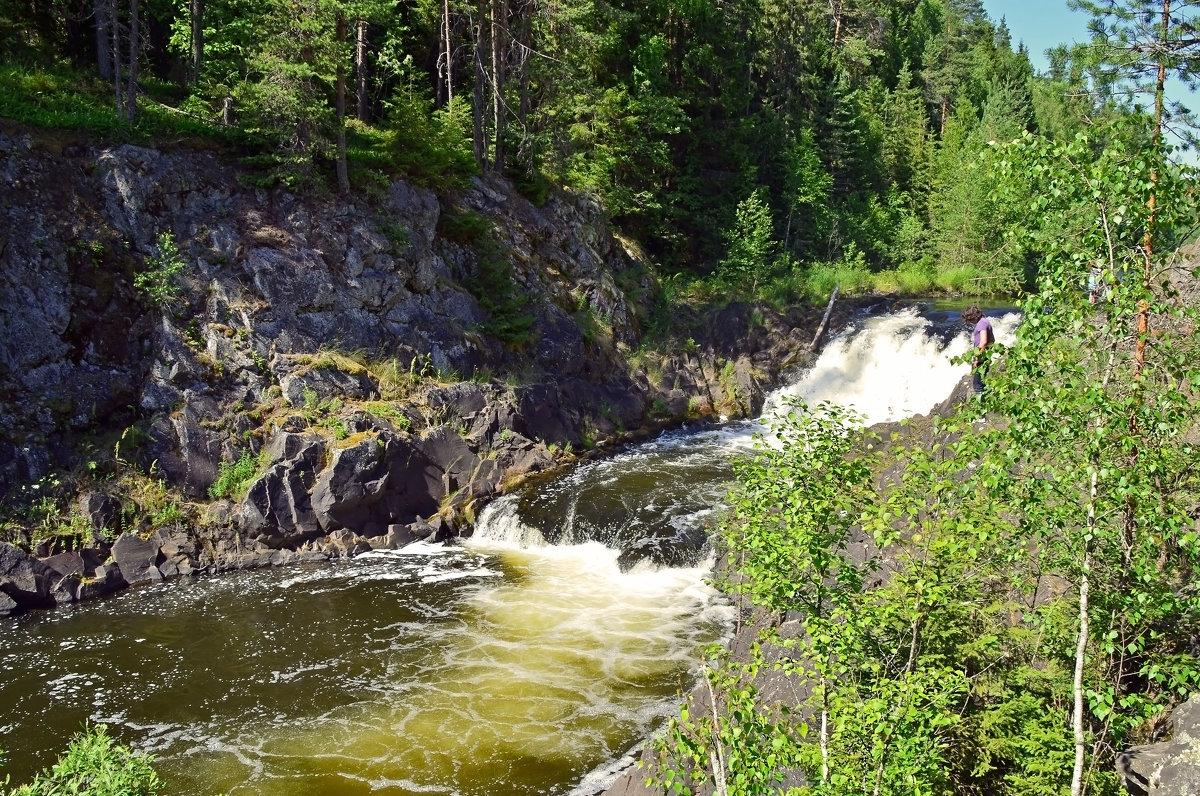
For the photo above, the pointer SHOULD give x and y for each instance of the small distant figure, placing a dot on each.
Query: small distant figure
(1095, 283)
(981, 338)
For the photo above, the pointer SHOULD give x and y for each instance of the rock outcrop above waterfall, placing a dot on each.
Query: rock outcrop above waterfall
(321, 379)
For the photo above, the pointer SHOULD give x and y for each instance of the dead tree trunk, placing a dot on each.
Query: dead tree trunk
(446, 59)
(360, 68)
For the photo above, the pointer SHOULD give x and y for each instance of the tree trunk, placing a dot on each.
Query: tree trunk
(103, 11)
(197, 7)
(499, 12)
(360, 66)
(1143, 315)
(477, 95)
(114, 42)
(524, 32)
(135, 46)
(1081, 643)
(343, 171)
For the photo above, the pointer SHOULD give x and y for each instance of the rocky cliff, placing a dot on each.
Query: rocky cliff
(323, 374)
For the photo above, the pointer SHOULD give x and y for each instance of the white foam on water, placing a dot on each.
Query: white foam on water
(500, 523)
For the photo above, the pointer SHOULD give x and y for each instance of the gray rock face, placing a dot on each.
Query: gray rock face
(281, 301)
(1170, 768)
(277, 511)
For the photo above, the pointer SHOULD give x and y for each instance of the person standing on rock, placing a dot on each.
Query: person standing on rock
(981, 337)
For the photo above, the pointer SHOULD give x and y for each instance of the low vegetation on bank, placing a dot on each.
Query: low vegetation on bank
(1000, 602)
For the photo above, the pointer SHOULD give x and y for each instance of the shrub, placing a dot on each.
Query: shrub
(159, 283)
(234, 477)
(94, 765)
(964, 279)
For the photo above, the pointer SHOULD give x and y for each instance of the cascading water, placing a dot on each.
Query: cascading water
(522, 662)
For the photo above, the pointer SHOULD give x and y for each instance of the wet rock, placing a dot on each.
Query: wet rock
(401, 535)
(77, 563)
(106, 579)
(179, 554)
(28, 582)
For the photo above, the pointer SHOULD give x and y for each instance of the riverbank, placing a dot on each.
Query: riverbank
(316, 378)
(628, 776)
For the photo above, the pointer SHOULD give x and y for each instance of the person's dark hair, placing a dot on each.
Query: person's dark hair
(972, 314)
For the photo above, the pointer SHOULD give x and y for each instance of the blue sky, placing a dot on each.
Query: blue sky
(1041, 24)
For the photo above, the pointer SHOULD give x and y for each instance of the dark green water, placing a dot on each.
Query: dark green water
(508, 666)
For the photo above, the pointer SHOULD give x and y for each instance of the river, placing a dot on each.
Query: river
(526, 660)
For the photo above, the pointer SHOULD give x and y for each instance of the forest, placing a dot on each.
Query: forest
(783, 147)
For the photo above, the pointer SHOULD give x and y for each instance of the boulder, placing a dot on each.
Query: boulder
(137, 559)
(414, 483)
(29, 583)
(105, 579)
(277, 511)
(190, 453)
(541, 418)
(80, 563)
(451, 455)
(1169, 768)
(103, 511)
(355, 479)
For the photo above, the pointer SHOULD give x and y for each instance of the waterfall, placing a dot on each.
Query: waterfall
(889, 367)
(660, 494)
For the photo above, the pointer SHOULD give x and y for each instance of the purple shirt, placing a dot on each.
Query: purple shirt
(983, 327)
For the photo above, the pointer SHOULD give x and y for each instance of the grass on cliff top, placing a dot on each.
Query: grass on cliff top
(74, 107)
(62, 99)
